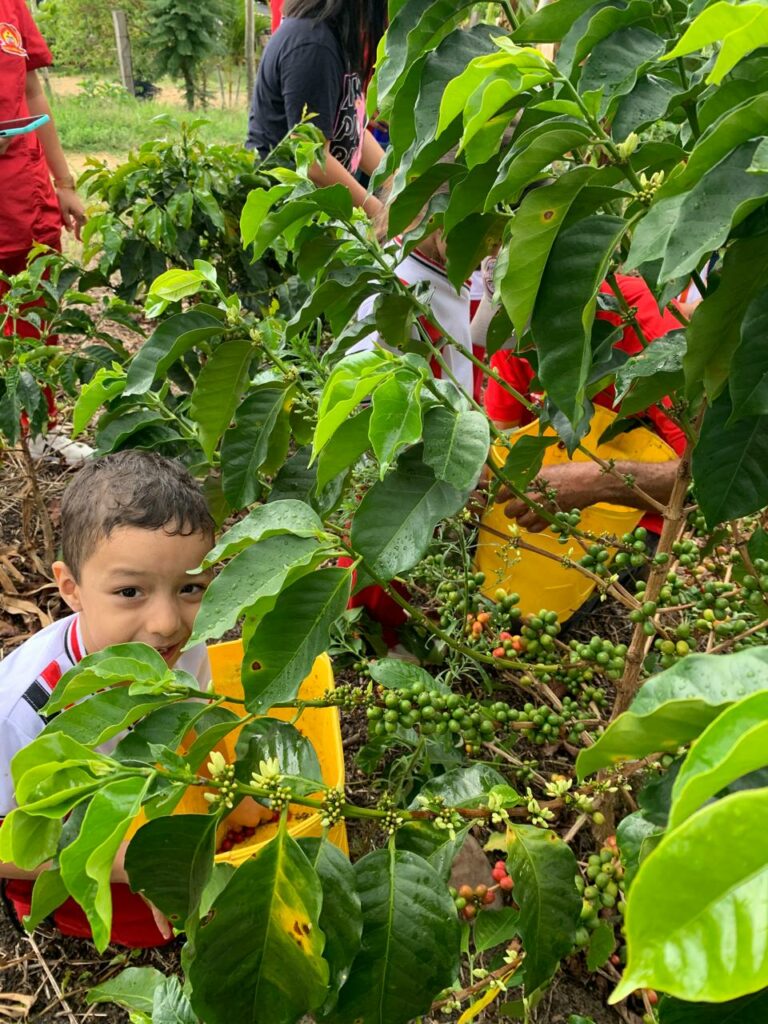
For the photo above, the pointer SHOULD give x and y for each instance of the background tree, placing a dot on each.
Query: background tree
(184, 34)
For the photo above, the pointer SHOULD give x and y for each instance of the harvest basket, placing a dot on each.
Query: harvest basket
(540, 581)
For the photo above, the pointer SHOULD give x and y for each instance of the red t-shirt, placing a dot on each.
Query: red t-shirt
(29, 209)
(277, 13)
(500, 405)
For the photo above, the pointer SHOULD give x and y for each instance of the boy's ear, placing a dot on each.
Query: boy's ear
(68, 585)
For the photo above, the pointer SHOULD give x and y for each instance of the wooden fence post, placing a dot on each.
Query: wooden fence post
(250, 48)
(123, 50)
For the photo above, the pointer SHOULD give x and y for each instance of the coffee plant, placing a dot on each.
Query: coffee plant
(646, 137)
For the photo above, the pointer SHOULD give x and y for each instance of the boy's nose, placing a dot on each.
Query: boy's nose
(164, 620)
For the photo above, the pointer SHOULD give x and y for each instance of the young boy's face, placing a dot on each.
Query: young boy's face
(135, 588)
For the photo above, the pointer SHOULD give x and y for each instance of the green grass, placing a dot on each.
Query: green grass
(95, 124)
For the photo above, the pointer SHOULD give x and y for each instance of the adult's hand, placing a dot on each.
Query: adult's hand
(572, 485)
(72, 210)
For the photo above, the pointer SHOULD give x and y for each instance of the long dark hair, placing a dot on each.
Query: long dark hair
(359, 24)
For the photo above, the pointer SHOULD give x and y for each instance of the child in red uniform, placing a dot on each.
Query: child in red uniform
(32, 208)
(581, 484)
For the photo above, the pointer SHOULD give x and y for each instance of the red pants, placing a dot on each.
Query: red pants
(132, 922)
(15, 264)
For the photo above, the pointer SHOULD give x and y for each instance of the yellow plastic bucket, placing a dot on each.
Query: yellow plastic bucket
(540, 581)
(319, 725)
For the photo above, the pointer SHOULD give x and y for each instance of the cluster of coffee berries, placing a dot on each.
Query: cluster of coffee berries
(601, 892)
(606, 657)
(502, 876)
(469, 900)
(634, 553)
(235, 836)
(564, 524)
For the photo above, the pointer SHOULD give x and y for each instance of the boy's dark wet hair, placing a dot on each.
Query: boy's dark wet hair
(129, 488)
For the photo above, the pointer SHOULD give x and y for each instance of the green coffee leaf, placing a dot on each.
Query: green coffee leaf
(86, 864)
(170, 340)
(734, 744)
(133, 989)
(259, 953)
(543, 868)
(341, 919)
(676, 935)
(252, 581)
(408, 919)
(218, 391)
(675, 706)
(170, 861)
(393, 526)
(282, 648)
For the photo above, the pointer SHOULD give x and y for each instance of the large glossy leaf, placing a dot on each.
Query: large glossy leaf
(48, 894)
(104, 715)
(218, 391)
(530, 155)
(113, 665)
(462, 787)
(528, 243)
(170, 860)
(170, 340)
(747, 1010)
(614, 63)
(245, 446)
(410, 943)
(341, 918)
(259, 955)
(410, 32)
(252, 580)
(525, 459)
(495, 927)
(396, 419)
(438, 68)
(748, 380)
(284, 645)
(673, 707)
(745, 121)
(335, 201)
(735, 744)
(344, 449)
(651, 374)
(352, 380)
(684, 228)
(562, 319)
(549, 24)
(267, 738)
(28, 840)
(393, 526)
(86, 864)
(636, 836)
(595, 25)
(133, 989)
(543, 868)
(646, 103)
(278, 517)
(739, 29)
(730, 463)
(704, 936)
(715, 331)
(456, 445)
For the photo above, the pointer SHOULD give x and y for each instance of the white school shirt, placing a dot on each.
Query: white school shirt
(450, 310)
(29, 674)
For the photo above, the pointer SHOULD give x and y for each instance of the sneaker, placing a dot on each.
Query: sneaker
(74, 453)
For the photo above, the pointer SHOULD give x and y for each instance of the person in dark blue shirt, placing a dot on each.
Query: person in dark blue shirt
(321, 58)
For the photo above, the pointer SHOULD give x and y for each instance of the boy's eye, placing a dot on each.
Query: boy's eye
(128, 591)
(194, 588)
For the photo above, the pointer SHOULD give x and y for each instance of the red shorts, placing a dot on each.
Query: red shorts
(132, 922)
